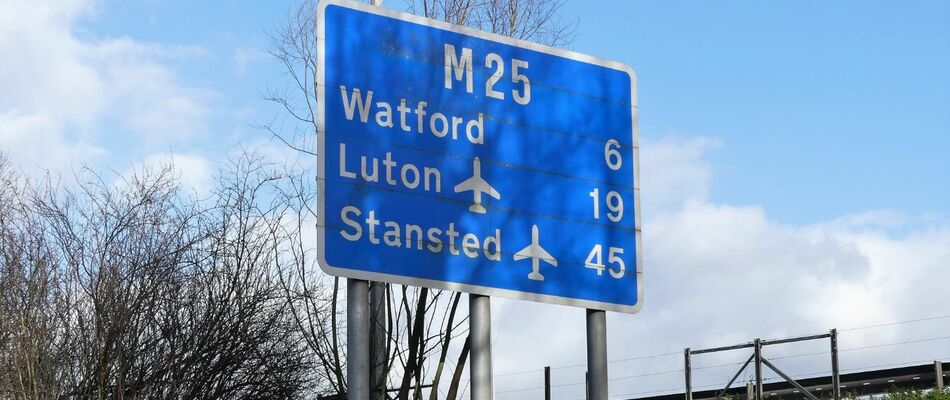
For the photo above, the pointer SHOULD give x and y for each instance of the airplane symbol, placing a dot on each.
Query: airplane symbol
(477, 186)
(536, 253)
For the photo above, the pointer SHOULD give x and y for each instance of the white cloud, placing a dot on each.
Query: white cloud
(677, 172)
(71, 94)
(719, 274)
(246, 57)
(37, 140)
(45, 67)
(195, 173)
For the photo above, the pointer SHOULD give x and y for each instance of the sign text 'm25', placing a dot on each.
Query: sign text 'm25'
(461, 66)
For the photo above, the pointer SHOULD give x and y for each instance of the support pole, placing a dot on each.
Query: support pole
(758, 369)
(377, 331)
(749, 391)
(479, 313)
(357, 339)
(586, 385)
(688, 368)
(938, 371)
(597, 353)
(547, 383)
(835, 376)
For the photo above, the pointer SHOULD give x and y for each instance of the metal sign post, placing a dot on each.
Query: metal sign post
(378, 338)
(597, 354)
(357, 339)
(479, 314)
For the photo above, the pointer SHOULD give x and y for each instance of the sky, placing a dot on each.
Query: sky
(795, 162)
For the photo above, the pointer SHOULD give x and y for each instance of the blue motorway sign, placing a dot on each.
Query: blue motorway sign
(457, 159)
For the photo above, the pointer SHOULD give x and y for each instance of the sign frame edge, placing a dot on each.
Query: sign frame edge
(320, 83)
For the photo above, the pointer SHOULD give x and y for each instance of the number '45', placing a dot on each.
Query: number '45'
(595, 261)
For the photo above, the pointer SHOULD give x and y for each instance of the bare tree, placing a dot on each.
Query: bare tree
(534, 20)
(129, 289)
(421, 323)
(31, 303)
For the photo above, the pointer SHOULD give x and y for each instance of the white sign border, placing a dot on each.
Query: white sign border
(459, 287)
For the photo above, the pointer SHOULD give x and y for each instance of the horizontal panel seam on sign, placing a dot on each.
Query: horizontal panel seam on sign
(623, 144)
(424, 242)
(508, 210)
(464, 30)
(484, 161)
(560, 89)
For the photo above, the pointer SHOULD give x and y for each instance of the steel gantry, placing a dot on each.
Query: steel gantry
(757, 360)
